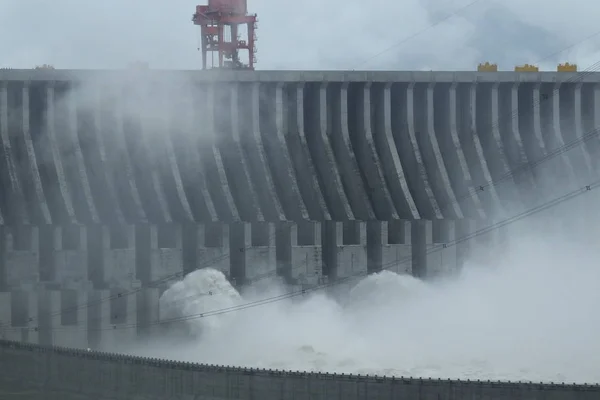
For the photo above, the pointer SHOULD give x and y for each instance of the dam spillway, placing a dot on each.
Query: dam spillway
(160, 147)
(113, 180)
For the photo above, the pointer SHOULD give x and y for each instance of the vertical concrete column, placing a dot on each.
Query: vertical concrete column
(119, 146)
(49, 240)
(213, 248)
(410, 151)
(434, 159)
(351, 249)
(12, 193)
(219, 185)
(508, 191)
(254, 149)
(49, 313)
(73, 319)
(519, 147)
(80, 183)
(595, 142)
(71, 257)
(364, 148)
(390, 159)
(147, 310)
(150, 146)
(112, 319)
(563, 169)
(243, 187)
(97, 241)
(474, 152)
(6, 331)
(31, 334)
(339, 139)
(539, 146)
(559, 136)
(55, 155)
(434, 253)
(305, 169)
(441, 258)
(260, 254)
(449, 111)
(103, 162)
(464, 241)
(3, 266)
(22, 256)
(306, 253)
(166, 252)
(578, 135)
(43, 210)
(418, 240)
(21, 312)
(291, 199)
(322, 141)
(175, 192)
(377, 236)
(193, 171)
(3, 134)
(237, 252)
(396, 246)
(589, 130)
(119, 257)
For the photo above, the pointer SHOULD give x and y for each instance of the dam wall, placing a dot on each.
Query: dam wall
(106, 147)
(94, 286)
(115, 183)
(65, 374)
(118, 178)
(81, 257)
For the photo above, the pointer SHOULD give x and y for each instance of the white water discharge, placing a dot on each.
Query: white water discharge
(529, 313)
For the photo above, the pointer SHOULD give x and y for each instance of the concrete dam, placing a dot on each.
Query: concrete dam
(116, 183)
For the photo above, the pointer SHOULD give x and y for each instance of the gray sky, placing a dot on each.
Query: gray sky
(306, 34)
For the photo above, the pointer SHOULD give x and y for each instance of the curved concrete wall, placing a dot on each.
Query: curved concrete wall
(149, 146)
(58, 373)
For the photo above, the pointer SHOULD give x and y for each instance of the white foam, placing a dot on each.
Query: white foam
(533, 316)
(198, 293)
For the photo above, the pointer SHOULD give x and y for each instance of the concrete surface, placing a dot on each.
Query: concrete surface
(98, 319)
(115, 274)
(72, 374)
(150, 146)
(98, 257)
(118, 182)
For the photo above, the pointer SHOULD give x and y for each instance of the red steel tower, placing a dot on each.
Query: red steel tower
(220, 23)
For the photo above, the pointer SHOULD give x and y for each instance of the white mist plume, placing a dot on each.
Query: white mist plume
(201, 291)
(528, 313)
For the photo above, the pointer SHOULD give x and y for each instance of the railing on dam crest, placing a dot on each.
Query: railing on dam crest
(95, 375)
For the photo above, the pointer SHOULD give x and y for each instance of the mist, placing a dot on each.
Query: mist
(523, 308)
(529, 312)
(338, 34)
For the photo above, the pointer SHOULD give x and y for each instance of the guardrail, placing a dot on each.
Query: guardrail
(73, 373)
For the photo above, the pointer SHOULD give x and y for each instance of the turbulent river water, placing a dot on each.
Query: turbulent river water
(527, 313)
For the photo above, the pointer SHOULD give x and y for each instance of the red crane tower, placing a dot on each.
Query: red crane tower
(220, 23)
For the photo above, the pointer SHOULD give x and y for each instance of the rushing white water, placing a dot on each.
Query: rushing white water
(530, 313)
